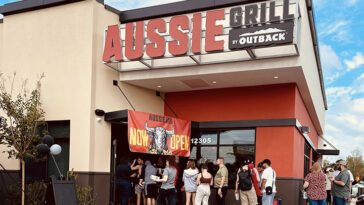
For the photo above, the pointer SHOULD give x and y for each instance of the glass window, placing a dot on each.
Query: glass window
(193, 153)
(208, 138)
(234, 156)
(234, 146)
(209, 153)
(237, 137)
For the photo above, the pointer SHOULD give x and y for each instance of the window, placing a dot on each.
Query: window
(307, 159)
(60, 131)
(37, 170)
(234, 146)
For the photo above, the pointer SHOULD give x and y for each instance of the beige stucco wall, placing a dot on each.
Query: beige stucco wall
(66, 44)
(108, 97)
(57, 42)
(310, 70)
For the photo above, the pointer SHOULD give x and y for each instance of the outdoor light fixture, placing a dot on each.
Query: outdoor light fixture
(159, 86)
(214, 82)
(99, 112)
(305, 129)
(275, 77)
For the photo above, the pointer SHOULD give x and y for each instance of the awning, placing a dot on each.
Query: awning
(328, 151)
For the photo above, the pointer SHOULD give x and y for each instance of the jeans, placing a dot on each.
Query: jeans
(123, 191)
(221, 200)
(169, 194)
(268, 199)
(339, 201)
(317, 202)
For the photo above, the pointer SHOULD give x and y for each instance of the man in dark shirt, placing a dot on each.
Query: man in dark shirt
(123, 185)
(341, 185)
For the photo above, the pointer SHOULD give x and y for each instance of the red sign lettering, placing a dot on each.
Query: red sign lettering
(158, 47)
(134, 47)
(180, 45)
(112, 44)
(213, 30)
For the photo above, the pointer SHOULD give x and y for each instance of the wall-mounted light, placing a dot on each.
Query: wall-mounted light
(305, 129)
(99, 112)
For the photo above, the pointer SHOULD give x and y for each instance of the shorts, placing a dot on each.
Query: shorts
(138, 189)
(151, 191)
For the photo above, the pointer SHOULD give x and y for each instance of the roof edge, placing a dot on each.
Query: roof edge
(175, 8)
(316, 49)
(108, 7)
(25, 6)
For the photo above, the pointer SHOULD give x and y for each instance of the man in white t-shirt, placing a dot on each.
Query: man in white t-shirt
(268, 180)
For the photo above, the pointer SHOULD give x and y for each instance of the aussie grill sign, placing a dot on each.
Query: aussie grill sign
(262, 24)
(156, 134)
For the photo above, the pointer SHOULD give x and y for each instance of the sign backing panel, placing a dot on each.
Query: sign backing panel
(157, 134)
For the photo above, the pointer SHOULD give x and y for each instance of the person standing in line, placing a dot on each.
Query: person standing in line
(337, 168)
(244, 185)
(189, 179)
(329, 174)
(260, 171)
(341, 185)
(168, 188)
(123, 184)
(150, 186)
(268, 187)
(221, 181)
(204, 181)
(137, 166)
(315, 182)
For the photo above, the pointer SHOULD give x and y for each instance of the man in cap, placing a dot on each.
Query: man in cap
(341, 185)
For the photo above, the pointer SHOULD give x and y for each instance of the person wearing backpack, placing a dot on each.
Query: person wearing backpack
(245, 185)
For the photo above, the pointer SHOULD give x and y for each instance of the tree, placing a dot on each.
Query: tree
(356, 163)
(19, 125)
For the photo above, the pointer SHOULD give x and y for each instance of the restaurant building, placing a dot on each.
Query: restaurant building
(245, 75)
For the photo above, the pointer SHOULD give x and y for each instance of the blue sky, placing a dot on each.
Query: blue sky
(340, 28)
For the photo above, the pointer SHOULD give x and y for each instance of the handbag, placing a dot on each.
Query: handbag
(269, 189)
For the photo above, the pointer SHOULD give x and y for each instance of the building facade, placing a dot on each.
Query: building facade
(248, 97)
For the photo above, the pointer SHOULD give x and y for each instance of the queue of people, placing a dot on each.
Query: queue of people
(156, 184)
(326, 186)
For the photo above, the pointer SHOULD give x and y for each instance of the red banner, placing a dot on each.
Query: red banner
(156, 134)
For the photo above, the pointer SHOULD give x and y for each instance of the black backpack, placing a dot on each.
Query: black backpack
(245, 180)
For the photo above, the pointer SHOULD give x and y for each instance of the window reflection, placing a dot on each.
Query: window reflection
(234, 146)
(237, 137)
(209, 153)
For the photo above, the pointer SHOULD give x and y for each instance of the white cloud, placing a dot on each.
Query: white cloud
(357, 61)
(361, 76)
(352, 2)
(333, 27)
(337, 91)
(331, 63)
(345, 117)
(344, 126)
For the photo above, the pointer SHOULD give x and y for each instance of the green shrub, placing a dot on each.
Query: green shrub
(85, 195)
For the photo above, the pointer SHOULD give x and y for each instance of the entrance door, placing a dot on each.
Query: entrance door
(112, 173)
